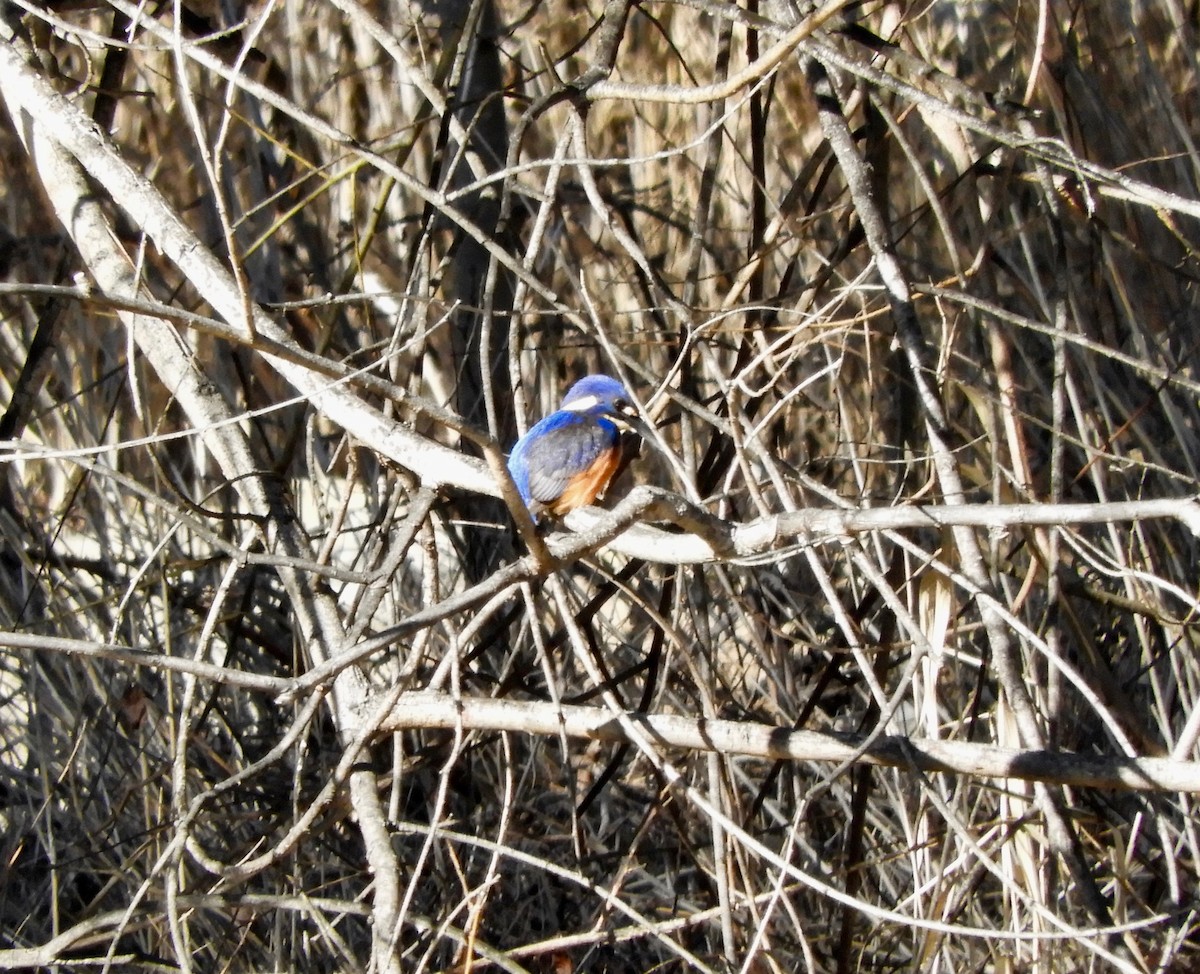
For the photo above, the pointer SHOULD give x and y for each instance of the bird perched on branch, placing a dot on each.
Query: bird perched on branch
(568, 459)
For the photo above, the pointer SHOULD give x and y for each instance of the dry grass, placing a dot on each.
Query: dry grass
(1039, 183)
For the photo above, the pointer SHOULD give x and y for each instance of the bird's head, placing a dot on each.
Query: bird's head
(603, 395)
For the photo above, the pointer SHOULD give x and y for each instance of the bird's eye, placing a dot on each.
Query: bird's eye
(625, 407)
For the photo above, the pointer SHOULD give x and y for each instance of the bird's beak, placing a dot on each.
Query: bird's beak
(627, 418)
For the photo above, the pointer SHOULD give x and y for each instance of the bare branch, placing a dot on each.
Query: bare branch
(728, 737)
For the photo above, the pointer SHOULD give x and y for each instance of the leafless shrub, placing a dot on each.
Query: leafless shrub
(909, 292)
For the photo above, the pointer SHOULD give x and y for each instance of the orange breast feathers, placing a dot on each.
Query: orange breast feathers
(585, 487)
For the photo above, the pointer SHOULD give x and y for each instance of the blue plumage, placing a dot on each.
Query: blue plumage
(567, 459)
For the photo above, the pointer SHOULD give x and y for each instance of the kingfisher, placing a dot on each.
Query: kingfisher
(567, 460)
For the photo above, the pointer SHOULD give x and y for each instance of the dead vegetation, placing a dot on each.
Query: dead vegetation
(852, 256)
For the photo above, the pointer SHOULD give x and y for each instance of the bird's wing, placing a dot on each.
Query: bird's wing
(563, 449)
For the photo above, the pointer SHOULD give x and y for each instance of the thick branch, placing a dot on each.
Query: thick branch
(728, 737)
(708, 539)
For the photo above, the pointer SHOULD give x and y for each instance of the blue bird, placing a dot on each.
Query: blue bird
(567, 460)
